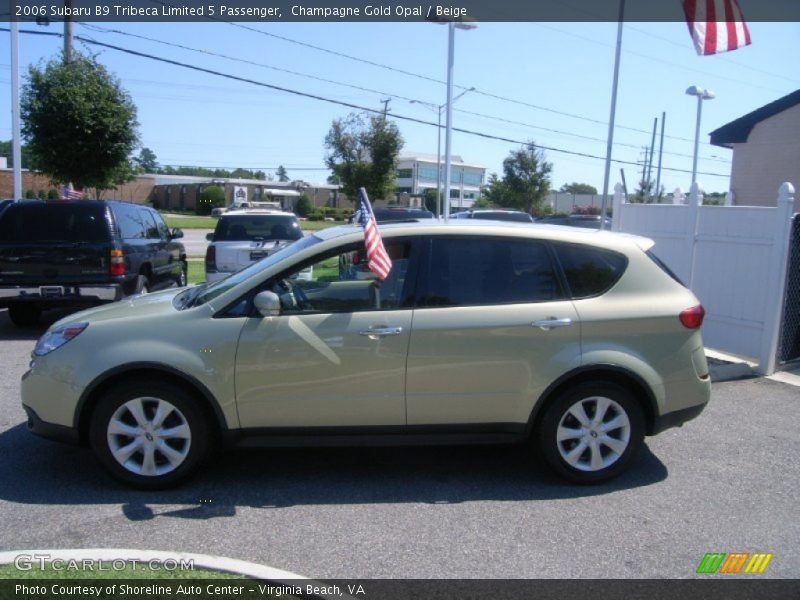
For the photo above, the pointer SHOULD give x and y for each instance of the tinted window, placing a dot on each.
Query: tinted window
(476, 271)
(151, 227)
(385, 215)
(35, 222)
(129, 220)
(589, 271)
(257, 227)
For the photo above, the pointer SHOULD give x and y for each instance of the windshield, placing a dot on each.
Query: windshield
(257, 227)
(223, 285)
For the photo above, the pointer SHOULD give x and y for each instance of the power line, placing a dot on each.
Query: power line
(364, 89)
(340, 102)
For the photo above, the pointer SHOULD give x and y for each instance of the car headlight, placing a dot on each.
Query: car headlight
(56, 338)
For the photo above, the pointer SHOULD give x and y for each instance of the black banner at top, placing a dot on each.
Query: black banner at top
(275, 11)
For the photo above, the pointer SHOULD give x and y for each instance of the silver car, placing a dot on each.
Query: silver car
(243, 237)
(579, 342)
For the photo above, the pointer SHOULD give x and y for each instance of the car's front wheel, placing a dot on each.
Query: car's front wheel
(591, 432)
(149, 435)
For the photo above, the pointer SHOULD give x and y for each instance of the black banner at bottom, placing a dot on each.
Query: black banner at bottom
(401, 589)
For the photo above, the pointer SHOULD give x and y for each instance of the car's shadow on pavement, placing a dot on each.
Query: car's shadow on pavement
(38, 471)
(11, 333)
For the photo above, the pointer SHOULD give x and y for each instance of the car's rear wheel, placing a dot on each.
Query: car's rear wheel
(24, 315)
(591, 432)
(149, 435)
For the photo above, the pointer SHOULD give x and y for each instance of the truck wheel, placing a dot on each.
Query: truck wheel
(182, 279)
(24, 315)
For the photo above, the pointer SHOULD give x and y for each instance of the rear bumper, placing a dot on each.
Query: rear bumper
(61, 294)
(51, 431)
(676, 418)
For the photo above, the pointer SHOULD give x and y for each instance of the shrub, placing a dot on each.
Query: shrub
(30, 194)
(304, 206)
(316, 216)
(52, 194)
(212, 197)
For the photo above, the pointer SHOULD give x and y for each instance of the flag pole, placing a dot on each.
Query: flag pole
(610, 141)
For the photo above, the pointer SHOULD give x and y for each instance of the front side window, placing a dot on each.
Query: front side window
(341, 282)
(469, 271)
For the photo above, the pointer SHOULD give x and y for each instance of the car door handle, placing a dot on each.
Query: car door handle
(374, 333)
(547, 324)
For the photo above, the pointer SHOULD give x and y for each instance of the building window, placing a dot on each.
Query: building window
(405, 173)
(473, 177)
(427, 172)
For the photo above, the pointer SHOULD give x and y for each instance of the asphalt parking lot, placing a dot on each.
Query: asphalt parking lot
(726, 482)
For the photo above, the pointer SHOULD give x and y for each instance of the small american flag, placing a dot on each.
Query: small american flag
(69, 193)
(716, 25)
(378, 260)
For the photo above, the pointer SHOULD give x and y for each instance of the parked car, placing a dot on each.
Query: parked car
(585, 221)
(243, 237)
(482, 332)
(82, 253)
(244, 205)
(517, 216)
(401, 213)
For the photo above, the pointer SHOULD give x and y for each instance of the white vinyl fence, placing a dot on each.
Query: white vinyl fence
(732, 257)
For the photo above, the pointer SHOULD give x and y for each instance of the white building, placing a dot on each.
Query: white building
(418, 173)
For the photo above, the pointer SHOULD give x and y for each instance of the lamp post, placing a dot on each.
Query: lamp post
(438, 109)
(702, 94)
(451, 29)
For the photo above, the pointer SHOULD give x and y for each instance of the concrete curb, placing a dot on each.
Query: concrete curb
(206, 561)
(726, 367)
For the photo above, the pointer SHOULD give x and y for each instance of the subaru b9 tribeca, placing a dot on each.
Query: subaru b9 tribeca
(577, 343)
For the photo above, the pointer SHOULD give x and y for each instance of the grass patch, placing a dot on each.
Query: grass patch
(197, 270)
(139, 570)
(318, 225)
(190, 222)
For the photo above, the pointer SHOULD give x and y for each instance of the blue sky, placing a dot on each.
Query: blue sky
(555, 78)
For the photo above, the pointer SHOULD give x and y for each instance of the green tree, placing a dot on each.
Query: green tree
(280, 173)
(304, 206)
(362, 151)
(497, 192)
(146, 161)
(80, 125)
(578, 188)
(211, 197)
(482, 203)
(526, 179)
(7, 151)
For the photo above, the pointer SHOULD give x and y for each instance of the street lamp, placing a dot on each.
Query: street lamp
(702, 94)
(451, 28)
(438, 110)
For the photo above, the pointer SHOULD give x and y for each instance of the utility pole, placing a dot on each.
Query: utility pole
(69, 26)
(660, 152)
(385, 103)
(652, 149)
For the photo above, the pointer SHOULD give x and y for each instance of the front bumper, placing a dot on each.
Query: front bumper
(51, 431)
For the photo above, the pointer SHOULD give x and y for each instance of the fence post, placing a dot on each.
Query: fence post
(773, 315)
(695, 198)
(619, 200)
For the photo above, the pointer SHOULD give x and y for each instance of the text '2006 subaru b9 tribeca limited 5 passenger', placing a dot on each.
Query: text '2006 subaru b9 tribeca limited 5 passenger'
(577, 341)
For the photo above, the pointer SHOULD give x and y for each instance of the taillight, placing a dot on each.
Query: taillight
(117, 263)
(211, 258)
(692, 318)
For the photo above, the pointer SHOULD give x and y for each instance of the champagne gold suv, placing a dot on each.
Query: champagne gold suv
(576, 343)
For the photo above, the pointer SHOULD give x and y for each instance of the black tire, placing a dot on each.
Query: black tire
(24, 315)
(184, 414)
(142, 284)
(182, 279)
(604, 445)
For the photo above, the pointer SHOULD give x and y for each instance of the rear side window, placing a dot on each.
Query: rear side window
(130, 222)
(484, 271)
(589, 271)
(257, 227)
(79, 222)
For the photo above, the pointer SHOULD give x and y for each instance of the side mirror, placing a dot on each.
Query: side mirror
(210, 236)
(176, 233)
(268, 304)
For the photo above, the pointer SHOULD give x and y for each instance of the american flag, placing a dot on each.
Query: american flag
(69, 193)
(716, 25)
(378, 260)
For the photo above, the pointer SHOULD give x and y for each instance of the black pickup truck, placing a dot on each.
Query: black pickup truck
(81, 253)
